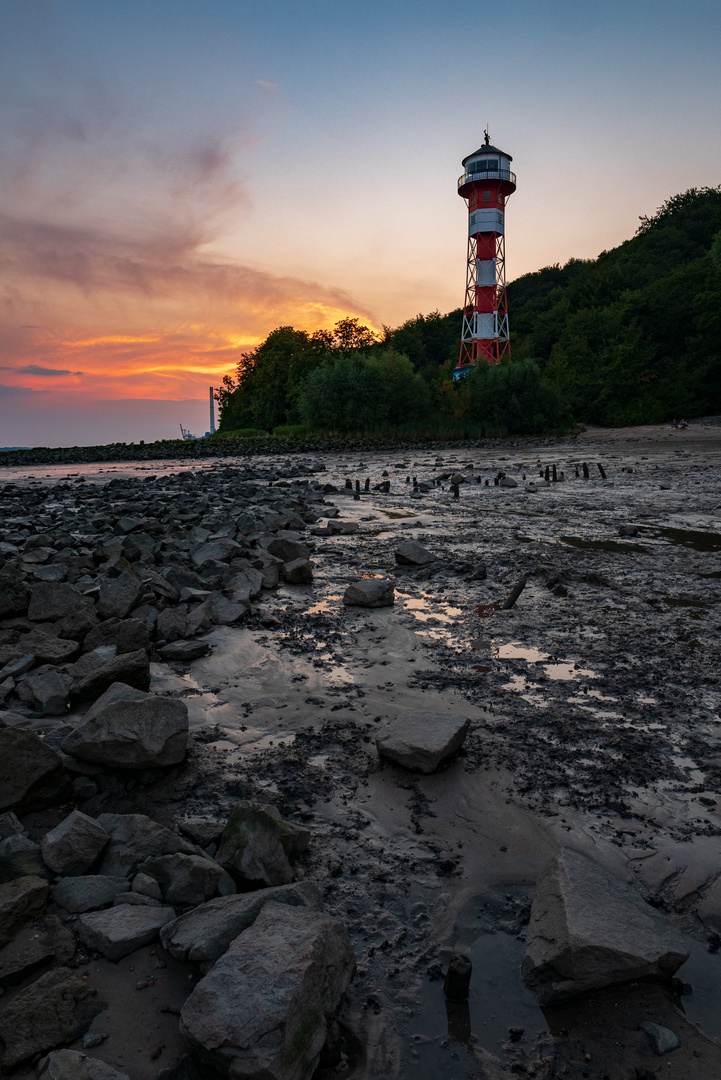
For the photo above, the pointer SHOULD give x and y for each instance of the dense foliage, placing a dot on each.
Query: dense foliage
(631, 337)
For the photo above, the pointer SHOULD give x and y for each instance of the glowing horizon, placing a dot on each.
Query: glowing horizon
(177, 181)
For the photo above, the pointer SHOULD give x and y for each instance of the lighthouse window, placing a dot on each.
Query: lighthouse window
(492, 164)
(486, 196)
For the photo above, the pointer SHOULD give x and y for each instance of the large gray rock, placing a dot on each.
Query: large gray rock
(129, 729)
(262, 1011)
(88, 892)
(188, 879)
(51, 600)
(588, 930)
(48, 692)
(182, 652)
(72, 1065)
(173, 623)
(55, 1009)
(709, 910)
(287, 550)
(411, 553)
(121, 930)
(298, 572)
(128, 635)
(73, 846)
(204, 934)
(21, 900)
(34, 947)
(421, 741)
(133, 838)
(20, 856)
(91, 679)
(119, 595)
(221, 550)
(31, 773)
(49, 649)
(258, 845)
(370, 593)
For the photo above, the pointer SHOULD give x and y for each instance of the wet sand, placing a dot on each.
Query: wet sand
(595, 710)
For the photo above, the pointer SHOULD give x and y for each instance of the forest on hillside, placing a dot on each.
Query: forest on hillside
(631, 337)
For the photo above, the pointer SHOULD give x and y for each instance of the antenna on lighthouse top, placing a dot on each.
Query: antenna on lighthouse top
(486, 136)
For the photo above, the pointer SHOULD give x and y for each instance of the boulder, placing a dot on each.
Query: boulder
(14, 596)
(20, 856)
(287, 550)
(48, 691)
(119, 595)
(204, 934)
(588, 930)
(410, 553)
(148, 886)
(225, 612)
(709, 910)
(370, 593)
(35, 946)
(74, 845)
(130, 668)
(249, 581)
(184, 651)
(257, 845)
(51, 600)
(188, 879)
(49, 649)
(263, 1009)
(31, 773)
(421, 741)
(55, 1009)
(20, 900)
(72, 1065)
(298, 572)
(507, 482)
(173, 623)
(129, 729)
(220, 550)
(200, 618)
(133, 838)
(120, 930)
(10, 824)
(128, 635)
(89, 892)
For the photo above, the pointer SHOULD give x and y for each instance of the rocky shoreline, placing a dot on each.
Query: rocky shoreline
(282, 736)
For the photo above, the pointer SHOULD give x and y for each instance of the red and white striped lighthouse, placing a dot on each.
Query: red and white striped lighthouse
(486, 183)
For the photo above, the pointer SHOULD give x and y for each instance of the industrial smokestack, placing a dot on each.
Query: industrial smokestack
(212, 412)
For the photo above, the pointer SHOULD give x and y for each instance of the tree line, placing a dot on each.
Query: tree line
(631, 337)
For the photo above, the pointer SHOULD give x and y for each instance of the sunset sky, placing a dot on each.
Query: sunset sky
(178, 177)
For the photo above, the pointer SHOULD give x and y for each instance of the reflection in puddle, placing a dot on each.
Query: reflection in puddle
(318, 760)
(498, 1000)
(557, 670)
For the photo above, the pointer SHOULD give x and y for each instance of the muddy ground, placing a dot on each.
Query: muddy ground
(595, 724)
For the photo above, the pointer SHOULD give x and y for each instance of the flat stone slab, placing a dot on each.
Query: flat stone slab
(204, 934)
(421, 741)
(89, 892)
(589, 930)
(121, 930)
(263, 1009)
(370, 593)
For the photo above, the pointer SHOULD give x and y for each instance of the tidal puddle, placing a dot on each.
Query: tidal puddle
(327, 603)
(498, 1000)
(563, 670)
(612, 546)
(691, 538)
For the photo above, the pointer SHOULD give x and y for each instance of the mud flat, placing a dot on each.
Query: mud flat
(594, 727)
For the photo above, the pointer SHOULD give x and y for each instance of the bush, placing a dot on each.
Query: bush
(361, 391)
(240, 433)
(514, 399)
(292, 429)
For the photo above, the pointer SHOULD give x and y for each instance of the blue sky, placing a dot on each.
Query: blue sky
(178, 177)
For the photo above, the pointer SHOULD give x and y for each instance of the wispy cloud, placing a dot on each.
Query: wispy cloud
(16, 391)
(36, 369)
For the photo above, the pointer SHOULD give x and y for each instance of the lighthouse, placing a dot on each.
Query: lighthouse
(486, 184)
